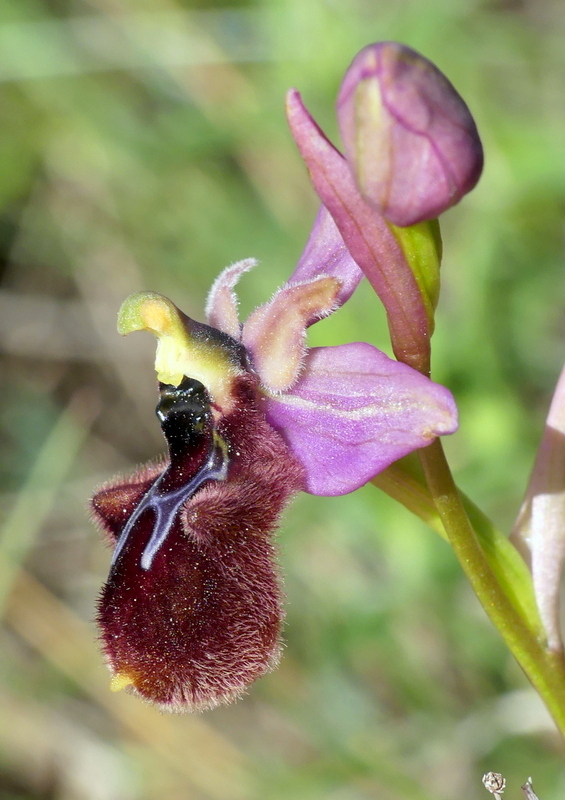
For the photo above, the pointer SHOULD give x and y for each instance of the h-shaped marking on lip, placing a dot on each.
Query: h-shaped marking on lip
(166, 505)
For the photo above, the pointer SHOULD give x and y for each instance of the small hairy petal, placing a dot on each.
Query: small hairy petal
(326, 254)
(197, 626)
(275, 334)
(409, 137)
(221, 305)
(367, 236)
(354, 412)
(541, 522)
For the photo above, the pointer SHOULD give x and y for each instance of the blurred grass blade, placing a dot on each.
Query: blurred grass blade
(86, 44)
(38, 495)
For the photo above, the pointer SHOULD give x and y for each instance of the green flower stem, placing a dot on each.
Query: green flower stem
(545, 669)
(406, 483)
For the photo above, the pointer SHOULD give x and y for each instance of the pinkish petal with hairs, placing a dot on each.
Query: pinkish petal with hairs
(275, 334)
(326, 254)
(221, 305)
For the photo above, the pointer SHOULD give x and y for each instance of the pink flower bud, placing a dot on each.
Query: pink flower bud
(409, 138)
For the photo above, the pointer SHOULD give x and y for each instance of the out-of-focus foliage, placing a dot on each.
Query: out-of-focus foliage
(143, 146)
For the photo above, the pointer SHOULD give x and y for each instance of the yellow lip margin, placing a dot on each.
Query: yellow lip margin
(120, 681)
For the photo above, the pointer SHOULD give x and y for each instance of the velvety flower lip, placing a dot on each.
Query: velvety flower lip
(409, 137)
(192, 609)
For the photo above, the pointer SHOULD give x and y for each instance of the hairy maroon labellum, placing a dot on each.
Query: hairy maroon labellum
(191, 611)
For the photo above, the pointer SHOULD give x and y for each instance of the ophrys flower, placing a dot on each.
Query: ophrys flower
(191, 611)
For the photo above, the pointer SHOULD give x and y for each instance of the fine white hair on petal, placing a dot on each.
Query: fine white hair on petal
(540, 527)
(326, 254)
(221, 304)
(275, 333)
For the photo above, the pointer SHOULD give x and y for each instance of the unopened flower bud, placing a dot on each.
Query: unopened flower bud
(409, 138)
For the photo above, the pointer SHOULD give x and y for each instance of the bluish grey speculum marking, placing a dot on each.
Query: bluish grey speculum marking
(187, 423)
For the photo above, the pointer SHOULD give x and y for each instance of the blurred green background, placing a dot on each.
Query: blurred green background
(143, 146)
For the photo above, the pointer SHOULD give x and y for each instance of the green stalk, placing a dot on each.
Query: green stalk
(406, 483)
(545, 669)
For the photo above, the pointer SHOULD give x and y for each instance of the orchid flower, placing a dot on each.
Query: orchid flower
(191, 611)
